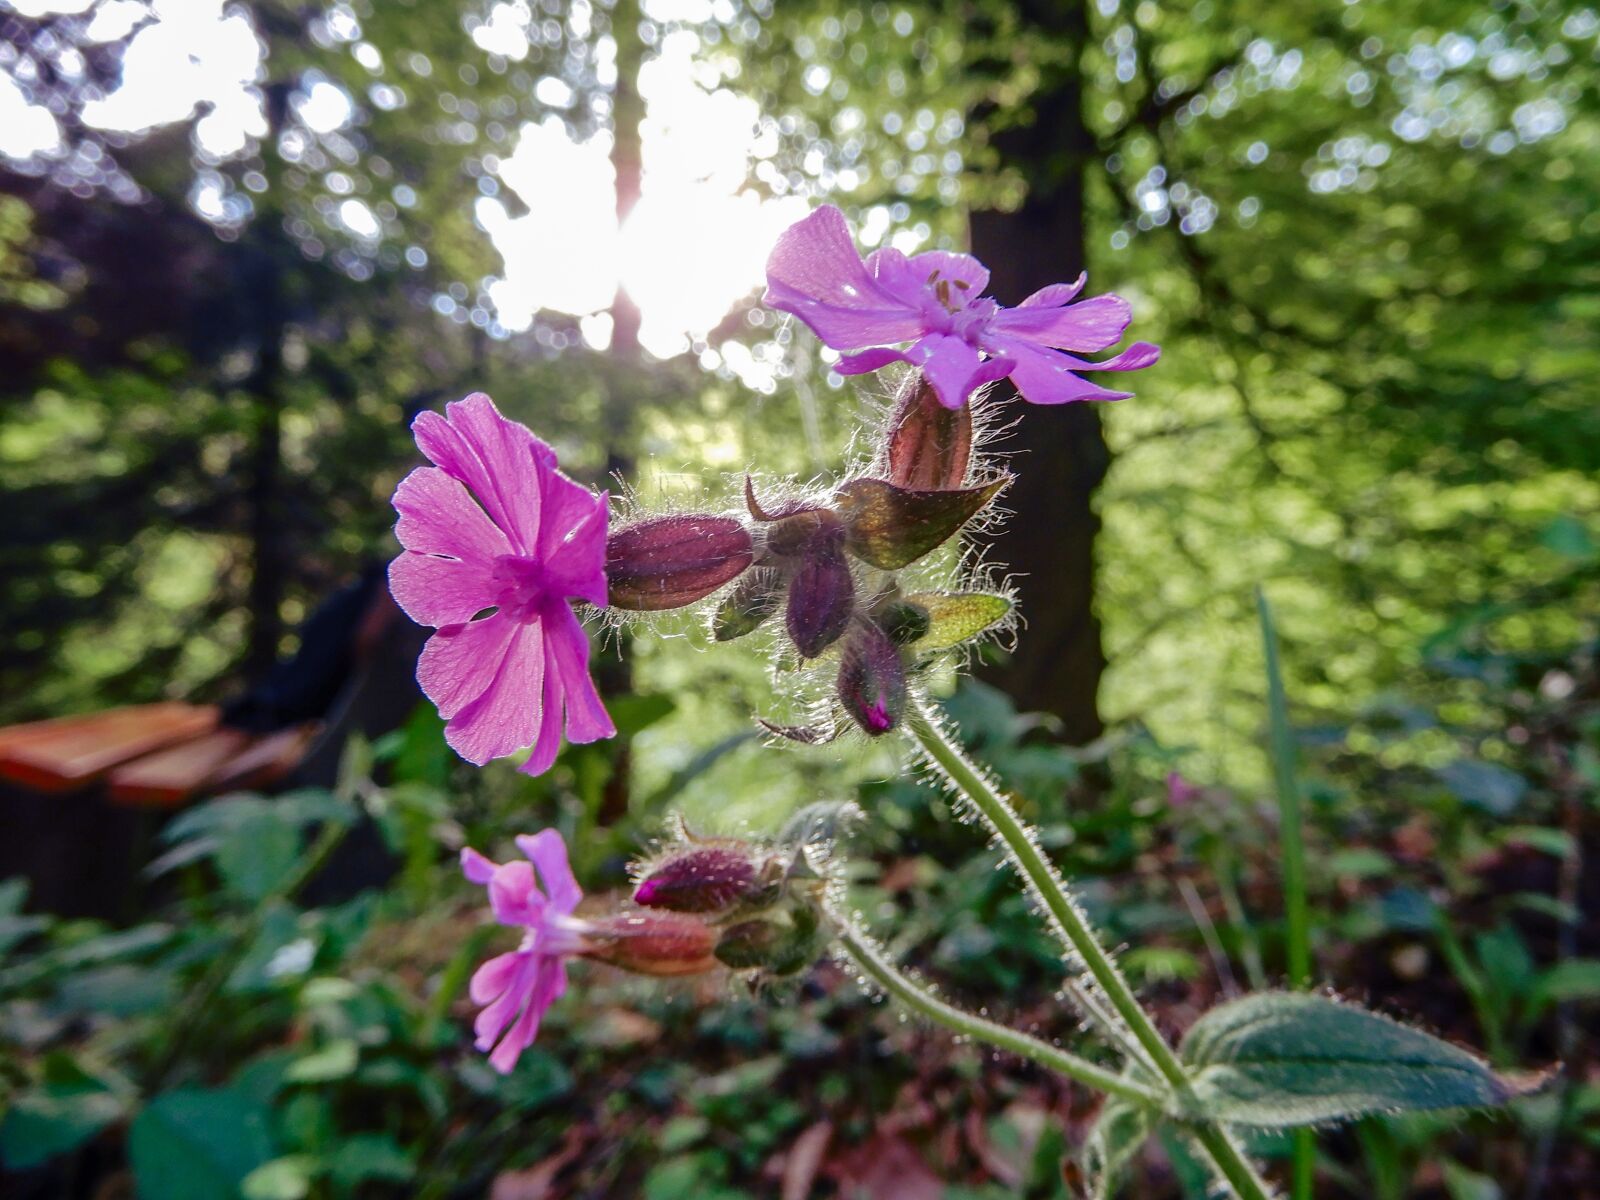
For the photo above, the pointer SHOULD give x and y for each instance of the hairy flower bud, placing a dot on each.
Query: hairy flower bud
(891, 527)
(872, 680)
(782, 946)
(821, 595)
(753, 599)
(951, 618)
(668, 562)
(904, 622)
(709, 877)
(928, 445)
(652, 942)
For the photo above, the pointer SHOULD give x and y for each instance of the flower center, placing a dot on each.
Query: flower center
(521, 588)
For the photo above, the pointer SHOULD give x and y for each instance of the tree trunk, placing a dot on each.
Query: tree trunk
(1061, 451)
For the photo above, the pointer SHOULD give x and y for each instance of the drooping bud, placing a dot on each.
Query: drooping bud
(872, 680)
(653, 942)
(668, 562)
(712, 876)
(821, 594)
(891, 527)
(772, 943)
(955, 617)
(753, 599)
(928, 446)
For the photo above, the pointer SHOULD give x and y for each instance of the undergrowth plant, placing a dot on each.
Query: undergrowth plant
(863, 590)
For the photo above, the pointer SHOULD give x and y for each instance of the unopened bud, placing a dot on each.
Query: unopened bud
(891, 527)
(753, 599)
(653, 942)
(872, 680)
(709, 877)
(821, 595)
(773, 944)
(956, 617)
(929, 445)
(668, 562)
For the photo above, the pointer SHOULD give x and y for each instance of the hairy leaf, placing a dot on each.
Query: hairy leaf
(1280, 1059)
(1117, 1133)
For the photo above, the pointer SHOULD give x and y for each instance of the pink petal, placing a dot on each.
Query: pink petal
(957, 269)
(869, 360)
(1046, 376)
(548, 852)
(1057, 293)
(587, 719)
(490, 981)
(498, 1014)
(499, 460)
(515, 897)
(476, 867)
(952, 367)
(815, 273)
(460, 661)
(439, 516)
(548, 744)
(547, 986)
(1086, 326)
(505, 717)
(1134, 358)
(441, 591)
(572, 542)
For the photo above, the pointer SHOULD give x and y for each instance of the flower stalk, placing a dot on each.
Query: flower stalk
(974, 784)
(868, 956)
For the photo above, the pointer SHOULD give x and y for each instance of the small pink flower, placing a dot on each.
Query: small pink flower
(517, 988)
(495, 528)
(960, 338)
(1180, 792)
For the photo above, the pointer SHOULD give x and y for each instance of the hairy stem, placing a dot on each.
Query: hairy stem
(973, 783)
(870, 957)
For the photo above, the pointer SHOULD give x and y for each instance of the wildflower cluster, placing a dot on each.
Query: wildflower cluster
(861, 585)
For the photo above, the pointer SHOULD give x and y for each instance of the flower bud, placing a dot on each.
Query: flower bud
(668, 562)
(929, 445)
(821, 595)
(773, 944)
(652, 942)
(872, 680)
(955, 617)
(708, 877)
(753, 599)
(891, 527)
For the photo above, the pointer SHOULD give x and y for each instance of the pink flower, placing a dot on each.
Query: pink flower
(494, 528)
(517, 988)
(960, 338)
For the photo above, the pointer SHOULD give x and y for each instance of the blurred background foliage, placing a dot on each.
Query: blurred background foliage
(241, 244)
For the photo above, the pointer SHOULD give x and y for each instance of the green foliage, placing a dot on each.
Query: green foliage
(1277, 1059)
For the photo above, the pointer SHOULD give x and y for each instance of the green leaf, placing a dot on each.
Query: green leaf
(68, 1108)
(1573, 980)
(1116, 1136)
(370, 1156)
(286, 1178)
(336, 1060)
(956, 617)
(259, 855)
(1280, 1059)
(197, 1144)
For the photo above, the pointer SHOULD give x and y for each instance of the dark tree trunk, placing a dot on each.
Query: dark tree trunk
(1061, 451)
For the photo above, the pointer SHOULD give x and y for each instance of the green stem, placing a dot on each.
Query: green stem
(872, 960)
(974, 784)
(1291, 845)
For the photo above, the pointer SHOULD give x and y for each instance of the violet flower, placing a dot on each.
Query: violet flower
(517, 988)
(959, 338)
(495, 527)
